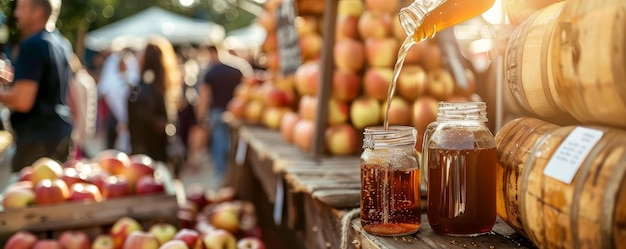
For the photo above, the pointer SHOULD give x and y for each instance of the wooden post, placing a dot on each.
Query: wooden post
(327, 65)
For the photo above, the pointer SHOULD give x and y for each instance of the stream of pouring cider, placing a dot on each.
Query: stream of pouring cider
(383, 198)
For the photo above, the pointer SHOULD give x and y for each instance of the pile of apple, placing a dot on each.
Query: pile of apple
(128, 233)
(110, 174)
(209, 219)
(368, 37)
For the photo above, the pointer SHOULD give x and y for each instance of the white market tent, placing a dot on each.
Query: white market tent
(176, 28)
(249, 37)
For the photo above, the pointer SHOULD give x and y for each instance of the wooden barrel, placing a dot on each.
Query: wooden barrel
(590, 53)
(589, 211)
(514, 142)
(529, 71)
(518, 10)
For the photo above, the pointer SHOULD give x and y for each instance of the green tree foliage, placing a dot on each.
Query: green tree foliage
(80, 16)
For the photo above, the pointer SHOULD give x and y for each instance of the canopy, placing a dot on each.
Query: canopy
(176, 28)
(249, 37)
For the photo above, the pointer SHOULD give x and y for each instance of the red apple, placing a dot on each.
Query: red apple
(346, 85)
(85, 192)
(190, 237)
(381, 51)
(364, 112)
(140, 165)
(374, 24)
(307, 107)
(287, 125)
(51, 192)
(112, 161)
(122, 228)
(195, 193)
(250, 243)
(98, 179)
(376, 82)
(347, 27)
(273, 115)
(311, 46)
(306, 24)
(25, 173)
(71, 176)
(74, 240)
(141, 240)
(307, 78)
(399, 112)
(237, 106)
(174, 244)
(163, 231)
(350, 8)
(115, 186)
(413, 56)
(18, 198)
(342, 139)
(412, 82)
(386, 6)
(303, 134)
(440, 83)
(349, 54)
(431, 55)
(277, 97)
(47, 244)
(103, 241)
(425, 111)
(20, 184)
(45, 168)
(148, 184)
(254, 111)
(21, 240)
(219, 239)
(338, 112)
(225, 216)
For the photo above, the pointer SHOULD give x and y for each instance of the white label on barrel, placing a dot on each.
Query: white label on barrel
(565, 162)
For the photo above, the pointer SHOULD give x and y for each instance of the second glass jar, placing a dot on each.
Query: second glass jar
(460, 160)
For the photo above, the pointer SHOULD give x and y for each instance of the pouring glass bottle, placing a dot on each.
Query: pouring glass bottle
(390, 181)
(460, 154)
(424, 18)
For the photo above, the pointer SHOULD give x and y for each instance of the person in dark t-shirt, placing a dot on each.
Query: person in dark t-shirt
(220, 81)
(38, 95)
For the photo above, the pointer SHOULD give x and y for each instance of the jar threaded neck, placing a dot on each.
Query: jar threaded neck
(379, 137)
(463, 111)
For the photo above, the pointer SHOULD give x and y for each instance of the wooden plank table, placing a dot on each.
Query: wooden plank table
(321, 191)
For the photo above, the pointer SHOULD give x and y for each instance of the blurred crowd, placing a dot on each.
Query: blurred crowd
(153, 98)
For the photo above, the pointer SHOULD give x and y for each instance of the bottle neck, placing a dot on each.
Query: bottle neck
(413, 19)
(395, 136)
(462, 111)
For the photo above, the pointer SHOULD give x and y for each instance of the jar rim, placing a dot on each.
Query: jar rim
(396, 135)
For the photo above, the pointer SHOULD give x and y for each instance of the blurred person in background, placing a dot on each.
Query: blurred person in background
(153, 103)
(119, 74)
(83, 104)
(219, 82)
(38, 93)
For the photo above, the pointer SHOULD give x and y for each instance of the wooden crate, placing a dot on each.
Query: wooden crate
(76, 215)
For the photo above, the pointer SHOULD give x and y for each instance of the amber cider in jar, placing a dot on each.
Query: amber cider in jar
(390, 181)
(460, 154)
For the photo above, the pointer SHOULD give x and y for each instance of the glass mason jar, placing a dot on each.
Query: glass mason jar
(459, 153)
(390, 181)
